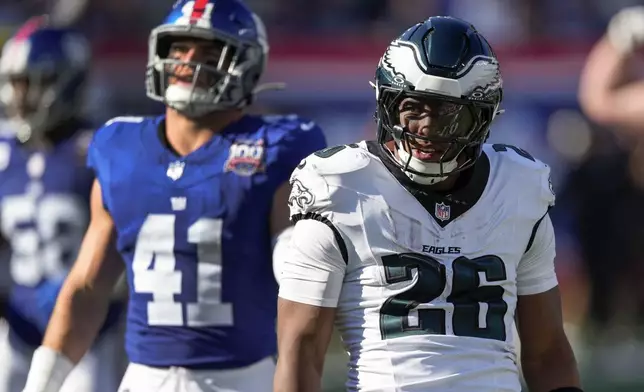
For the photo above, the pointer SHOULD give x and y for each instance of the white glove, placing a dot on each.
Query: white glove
(626, 29)
(48, 371)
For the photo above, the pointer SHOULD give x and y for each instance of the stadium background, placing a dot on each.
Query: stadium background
(326, 51)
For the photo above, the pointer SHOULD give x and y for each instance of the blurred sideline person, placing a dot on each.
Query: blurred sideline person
(44, 198)
(197, 199)
(424, 245)
(608, 92)
(611, 93)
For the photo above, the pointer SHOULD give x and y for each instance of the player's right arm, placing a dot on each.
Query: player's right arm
(82, 303)
(311, 280)
(606, 94)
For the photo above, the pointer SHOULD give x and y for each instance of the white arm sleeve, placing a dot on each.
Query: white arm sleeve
(313, 269)
(536, 270)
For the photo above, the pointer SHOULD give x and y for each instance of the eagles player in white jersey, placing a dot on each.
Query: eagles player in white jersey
(424, 246)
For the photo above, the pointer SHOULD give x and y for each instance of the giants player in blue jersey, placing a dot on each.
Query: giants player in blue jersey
(44, 197)
(198, 201)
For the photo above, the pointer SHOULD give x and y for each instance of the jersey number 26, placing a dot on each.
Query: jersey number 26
(478, 309)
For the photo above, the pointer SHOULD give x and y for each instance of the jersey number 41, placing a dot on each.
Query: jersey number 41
(154, 271)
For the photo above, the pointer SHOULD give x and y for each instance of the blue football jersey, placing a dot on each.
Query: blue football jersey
(194, 233)
(44, 211)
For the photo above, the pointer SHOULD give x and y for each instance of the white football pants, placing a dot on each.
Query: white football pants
(257, 377)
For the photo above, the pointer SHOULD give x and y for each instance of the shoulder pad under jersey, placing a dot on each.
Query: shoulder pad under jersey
(114, 135)
(339, 159)
(117, 125)
(530, 171)
(310, 189)
(118, 130)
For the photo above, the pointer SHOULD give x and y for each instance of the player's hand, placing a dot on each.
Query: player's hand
(626, 29)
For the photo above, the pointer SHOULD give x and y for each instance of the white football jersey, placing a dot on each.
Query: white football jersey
(425, 287)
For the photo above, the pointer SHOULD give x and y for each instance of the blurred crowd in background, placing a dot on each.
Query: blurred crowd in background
(326, 51)
(503, 21)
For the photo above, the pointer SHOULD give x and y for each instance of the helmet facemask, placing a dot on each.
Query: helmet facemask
(434, 135)
(219, 81)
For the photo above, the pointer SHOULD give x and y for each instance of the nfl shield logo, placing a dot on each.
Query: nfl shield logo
(175, 170)
(442, 211)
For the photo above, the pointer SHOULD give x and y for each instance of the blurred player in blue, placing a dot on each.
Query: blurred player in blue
(44, 196)
(198, 201)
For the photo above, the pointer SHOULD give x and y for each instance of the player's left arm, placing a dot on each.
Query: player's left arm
(294, 147)
(547, 359)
